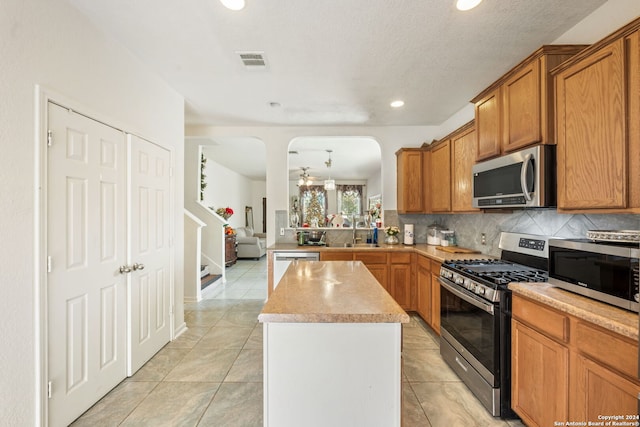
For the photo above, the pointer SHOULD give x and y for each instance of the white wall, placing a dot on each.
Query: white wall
(374, 185)
(602, 22)
(226, 188)
(47, 42)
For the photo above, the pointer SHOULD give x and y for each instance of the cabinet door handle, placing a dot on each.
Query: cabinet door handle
(124, 269)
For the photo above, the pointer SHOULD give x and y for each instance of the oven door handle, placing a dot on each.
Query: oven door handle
(489, 308)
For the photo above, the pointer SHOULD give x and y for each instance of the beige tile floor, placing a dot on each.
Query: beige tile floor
(212, 374)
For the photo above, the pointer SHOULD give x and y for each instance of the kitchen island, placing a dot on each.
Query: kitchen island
(332, 348)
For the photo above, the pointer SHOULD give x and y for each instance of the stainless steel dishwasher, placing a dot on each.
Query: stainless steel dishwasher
(281, 261)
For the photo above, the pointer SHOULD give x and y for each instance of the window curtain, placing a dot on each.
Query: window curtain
(350, 199)
(313, 204)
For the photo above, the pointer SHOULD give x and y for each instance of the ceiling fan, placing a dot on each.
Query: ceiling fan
(305, 178)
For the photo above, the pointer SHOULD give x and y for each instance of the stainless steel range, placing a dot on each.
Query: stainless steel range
(475, 315)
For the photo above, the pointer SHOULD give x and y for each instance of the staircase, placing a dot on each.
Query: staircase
(206, 278)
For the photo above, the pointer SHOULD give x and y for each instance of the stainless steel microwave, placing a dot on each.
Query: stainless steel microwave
(607, 272)
(524, 179)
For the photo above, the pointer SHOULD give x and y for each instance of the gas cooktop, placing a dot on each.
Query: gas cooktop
(495, 271)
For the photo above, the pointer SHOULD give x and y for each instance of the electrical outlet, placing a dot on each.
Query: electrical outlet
(282, 231)
(483, 239)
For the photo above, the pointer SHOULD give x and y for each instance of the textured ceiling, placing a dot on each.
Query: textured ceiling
(332, 62)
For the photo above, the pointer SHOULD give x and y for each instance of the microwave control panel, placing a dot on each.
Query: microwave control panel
(534, 244)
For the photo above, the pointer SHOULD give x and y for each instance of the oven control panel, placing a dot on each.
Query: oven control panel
(486, 292)
(535, 244)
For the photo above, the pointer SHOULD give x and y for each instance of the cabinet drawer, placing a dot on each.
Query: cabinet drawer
(424, 262)
(608, 348)
(336, 256)
(371, 257)
(547, 321)
(401, 258)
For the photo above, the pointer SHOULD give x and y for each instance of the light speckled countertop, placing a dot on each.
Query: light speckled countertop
(331, 292)
(604, 315)
(422, 249)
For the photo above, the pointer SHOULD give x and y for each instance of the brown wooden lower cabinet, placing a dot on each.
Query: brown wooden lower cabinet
(380, 272)
(539, 373)
(435, 296)
(336, 256)
(428, 291)
(423, 285)
(376, 262)
(400, 278)
(394, 270)
(600, 390)
(567, 369)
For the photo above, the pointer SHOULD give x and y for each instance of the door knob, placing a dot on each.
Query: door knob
(124, 269)
(137, 267)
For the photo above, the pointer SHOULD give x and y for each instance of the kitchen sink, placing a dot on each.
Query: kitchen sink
(351, 245)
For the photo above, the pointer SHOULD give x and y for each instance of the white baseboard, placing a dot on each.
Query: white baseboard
(180, 330)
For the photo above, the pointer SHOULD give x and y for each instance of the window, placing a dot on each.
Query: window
(350, 199)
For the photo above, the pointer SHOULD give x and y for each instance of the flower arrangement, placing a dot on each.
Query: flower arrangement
(225, 212)
(374, 211)
(229, 231)
(391, 230)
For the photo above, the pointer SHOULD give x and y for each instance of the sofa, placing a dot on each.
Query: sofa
(250, 244)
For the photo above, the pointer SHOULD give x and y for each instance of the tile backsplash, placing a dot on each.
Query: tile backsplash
(469, 227)
(546, 222)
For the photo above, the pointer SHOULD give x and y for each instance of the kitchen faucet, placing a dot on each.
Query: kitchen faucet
(354, 238)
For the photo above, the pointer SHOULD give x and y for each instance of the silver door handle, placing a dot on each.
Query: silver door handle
(523, 177)
(124, 269)
(137, 267)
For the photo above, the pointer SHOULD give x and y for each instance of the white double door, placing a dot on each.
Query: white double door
(109, 259)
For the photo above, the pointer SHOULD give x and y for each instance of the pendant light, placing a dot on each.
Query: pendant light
(329, 184)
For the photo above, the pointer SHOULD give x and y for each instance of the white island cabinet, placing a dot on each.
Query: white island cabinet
(332, 348)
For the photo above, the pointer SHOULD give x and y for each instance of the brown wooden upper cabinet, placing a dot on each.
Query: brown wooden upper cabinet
(517, 110)
(410, 180)
(488, 135)
(463, 156)
(450, 171)
(440, 173)
(598, 126)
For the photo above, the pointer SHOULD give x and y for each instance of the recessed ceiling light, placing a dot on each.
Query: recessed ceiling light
(233, 4)
(467, 4)
(397, 104)
(274, 104)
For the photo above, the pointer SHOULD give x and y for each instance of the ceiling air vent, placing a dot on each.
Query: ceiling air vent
(253, 60)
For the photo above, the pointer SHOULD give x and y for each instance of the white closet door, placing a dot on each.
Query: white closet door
(150, 250)
(86, 243)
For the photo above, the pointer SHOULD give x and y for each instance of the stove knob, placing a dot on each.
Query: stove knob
(480, 290)
(458, 280)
